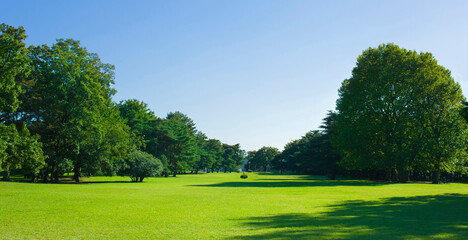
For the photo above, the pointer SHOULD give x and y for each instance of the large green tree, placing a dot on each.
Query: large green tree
(177, 142)
(17, 147)
(394, 112)
(70, 106)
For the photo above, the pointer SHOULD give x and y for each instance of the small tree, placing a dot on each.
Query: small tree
(140, 165)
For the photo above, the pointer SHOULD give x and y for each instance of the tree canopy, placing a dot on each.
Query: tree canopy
(17, 147)
(399, 112)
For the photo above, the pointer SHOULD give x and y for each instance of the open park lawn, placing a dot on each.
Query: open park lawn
(224, 206)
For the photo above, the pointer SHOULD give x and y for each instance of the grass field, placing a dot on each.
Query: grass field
(223, 206)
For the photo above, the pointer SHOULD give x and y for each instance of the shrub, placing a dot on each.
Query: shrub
(141, 165)
(244, 176)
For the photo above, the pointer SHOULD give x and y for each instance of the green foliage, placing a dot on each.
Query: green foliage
(13, 62)
(244, 176)
(18, 149)
(303, 155)
(261, 159)
(312, 154)
(399, 112)
(70, 107)
(209, 151)
(66, 98)
(140, 165)
(231, 157)
(177, 141)
(141, 121)
(117, 143)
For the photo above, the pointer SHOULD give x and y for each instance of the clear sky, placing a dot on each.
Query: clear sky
(258, 73)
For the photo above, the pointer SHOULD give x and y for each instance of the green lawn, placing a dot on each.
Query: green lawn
(224, 206)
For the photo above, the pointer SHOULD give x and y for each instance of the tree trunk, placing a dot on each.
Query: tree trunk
(56, 176)
(174, 174)
(388, 175)
(76, 170)
(403, 175)
(141, 179)
(45, 177)
(436, 174)
(52, 171)
(6, 175)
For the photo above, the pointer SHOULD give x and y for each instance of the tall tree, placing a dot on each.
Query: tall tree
(138, 117)
(177, 141)
(329, 153)
(73, 91)
(386, 110)
(215, 150)
(17, 147)
(117, 144)
(231, 157)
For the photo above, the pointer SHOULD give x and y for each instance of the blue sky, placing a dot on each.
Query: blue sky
(258, 73)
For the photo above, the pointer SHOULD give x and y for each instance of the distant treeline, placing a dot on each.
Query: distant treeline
(400, 117)
(57, 116)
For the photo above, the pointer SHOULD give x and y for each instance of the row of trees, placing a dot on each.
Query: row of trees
(261, 159)
(57, 116)
(400, 115)
(176, 141)
(311, 154)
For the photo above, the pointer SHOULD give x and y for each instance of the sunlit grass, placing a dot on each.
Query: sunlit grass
(224, 206)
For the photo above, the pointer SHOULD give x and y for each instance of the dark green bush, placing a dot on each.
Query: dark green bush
(140, 165)
(244, 176)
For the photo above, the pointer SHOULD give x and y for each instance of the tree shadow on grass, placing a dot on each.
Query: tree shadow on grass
(65, 180)
(296, 177)
(72, 182)
(422, 217)
(293, 183)
(93, 182)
